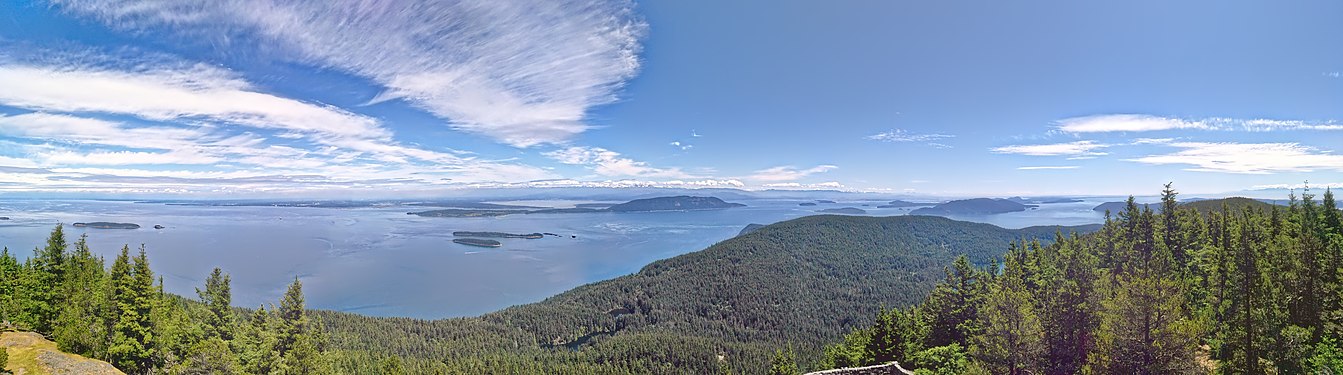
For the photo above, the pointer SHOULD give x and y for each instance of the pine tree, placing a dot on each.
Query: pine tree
(296, 344)
(952, 309)
(133, 285)
(217, 298)
(46, 273)
(257, 344)
(784, 363)
(1067, 305)
(11, 279)
(80, 327)
(1012, 338)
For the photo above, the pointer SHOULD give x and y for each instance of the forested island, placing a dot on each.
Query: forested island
(106, 225)
(477, 242)
(977, 206)
(497, 235)
(844, 211)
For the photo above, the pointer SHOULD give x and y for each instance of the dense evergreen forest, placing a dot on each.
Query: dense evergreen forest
(1249, 288)
(803, 282)
(120, 315)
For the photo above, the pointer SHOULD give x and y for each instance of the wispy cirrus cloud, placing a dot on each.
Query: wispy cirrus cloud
(901, 135)
(1048, 167)
(1146, 123)
(1247, 158)
(788, 173)
(139, 113)
(610, 163)
(1075, 149)
(831, 185)
(523, 73)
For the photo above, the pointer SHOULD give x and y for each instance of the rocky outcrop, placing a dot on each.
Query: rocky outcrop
(30, 353)
(892, 368)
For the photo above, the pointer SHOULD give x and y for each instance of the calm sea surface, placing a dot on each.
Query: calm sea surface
(380, 261)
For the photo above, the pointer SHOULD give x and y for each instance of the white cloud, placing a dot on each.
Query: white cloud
(200, 116)
(682, 146)
(1331, 74)
(524, 73)
(832, 185)
(1247, 158)
(1143, 123)
(788, 173)
(1125, 123)
(1078, 148)
(1048, 167)
(610, 163)
(901, 135)
(1299, 186)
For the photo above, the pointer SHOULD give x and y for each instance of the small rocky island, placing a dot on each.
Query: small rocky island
(477, 242)
(530, 236)
(106, 225)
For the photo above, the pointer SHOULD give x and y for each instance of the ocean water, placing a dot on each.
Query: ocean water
(381, 261)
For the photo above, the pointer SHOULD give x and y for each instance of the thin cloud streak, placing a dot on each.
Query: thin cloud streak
(523, 73)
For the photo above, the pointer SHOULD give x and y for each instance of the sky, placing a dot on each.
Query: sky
(353, 98)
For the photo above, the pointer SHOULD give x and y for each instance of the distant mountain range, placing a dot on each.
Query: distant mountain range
(677, 203)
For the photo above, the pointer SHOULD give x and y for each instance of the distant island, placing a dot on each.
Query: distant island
(106, 225)
(806, 204)
(902, 204)
(594, 205)
(1200, 205)
(677, 203)
(4, 217)
(477, 242)
(498, 235)
(455, 212)
(844, 211)
(824, 201)
(977, 206)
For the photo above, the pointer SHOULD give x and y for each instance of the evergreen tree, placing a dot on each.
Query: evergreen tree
(257, 344)
(211, 356)
(133, 285)
(1011, 341)
(952, 308)
(217, 298)
(11, 281)
(784, 363)
(46, 272)
(80, 327)
(1068, 305)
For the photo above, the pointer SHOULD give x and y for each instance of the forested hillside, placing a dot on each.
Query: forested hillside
(1249, 288)
(802, 282)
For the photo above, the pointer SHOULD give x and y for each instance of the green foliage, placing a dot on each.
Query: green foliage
(942, 360)
(4, 360)
(217, 298)
(119, 315)
(1236, 285)
(784, 363)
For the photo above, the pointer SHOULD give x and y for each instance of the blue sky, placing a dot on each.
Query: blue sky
(355, 98)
